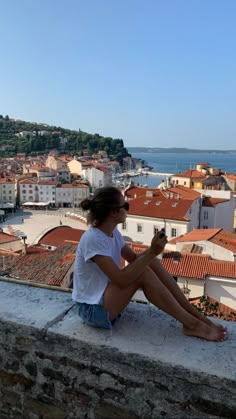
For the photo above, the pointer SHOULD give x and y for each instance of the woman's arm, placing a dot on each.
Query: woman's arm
(137, 265)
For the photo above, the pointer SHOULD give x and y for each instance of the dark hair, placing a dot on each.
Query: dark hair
(100, 205)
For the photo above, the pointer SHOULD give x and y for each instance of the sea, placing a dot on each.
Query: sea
(180, 162)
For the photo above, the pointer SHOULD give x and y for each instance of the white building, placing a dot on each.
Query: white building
(98, 176)
(8, 193)
(217, 209)
(69, 195)
(148, 214)
(47, 191)
(33, 191)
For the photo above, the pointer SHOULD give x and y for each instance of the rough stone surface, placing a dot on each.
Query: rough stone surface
(54, 366)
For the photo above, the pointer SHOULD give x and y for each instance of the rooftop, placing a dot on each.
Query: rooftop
(155, 207)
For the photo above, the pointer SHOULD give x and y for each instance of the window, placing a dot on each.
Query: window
(139, 228)
(124, 226)
(185, 183)
(173, 232)
(205, 215)
(155, 230)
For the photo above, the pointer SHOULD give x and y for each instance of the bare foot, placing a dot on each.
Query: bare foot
(211, 323)
(205, 331)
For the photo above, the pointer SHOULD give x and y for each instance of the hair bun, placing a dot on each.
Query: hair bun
(86, 204)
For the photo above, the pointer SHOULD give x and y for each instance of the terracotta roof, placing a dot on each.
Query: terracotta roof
(192, 265)
(225, 239)
(28, 182)
(6, 238)
(230, 176)
(218, 236)
(48, 182)
(191, 173)
(198, 235)
(42, 267)
(197, 266)
(209, 201)
(137, 192)
(102, 169)
(155, 207)
(39, 168)
(70, 185)
(205, 163)
(183, 191)
(4, 180)
(64, 159)
(58, 235)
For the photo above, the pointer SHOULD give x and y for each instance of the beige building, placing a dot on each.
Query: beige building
(192, 178)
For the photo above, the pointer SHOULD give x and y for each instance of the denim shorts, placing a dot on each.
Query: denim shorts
(95, 315)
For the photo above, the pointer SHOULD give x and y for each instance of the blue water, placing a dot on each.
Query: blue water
(177, 162)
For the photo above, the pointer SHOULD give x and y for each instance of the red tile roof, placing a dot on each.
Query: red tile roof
(6, 180)
(57, 236)
(192, 265)
(191, 173)
(28, 182)
(42, 267)
(197, 266)
(137, 192)
(6, 238)
(230, 176)
(218, 236)
(198, 235)
(160, 207)
(209, 201)
(225, 239)
(70, 185)
(183, 192)
(48, 182)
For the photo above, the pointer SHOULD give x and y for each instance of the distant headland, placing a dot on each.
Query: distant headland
(176, 150)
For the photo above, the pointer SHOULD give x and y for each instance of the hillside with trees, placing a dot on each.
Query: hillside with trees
(33, 138)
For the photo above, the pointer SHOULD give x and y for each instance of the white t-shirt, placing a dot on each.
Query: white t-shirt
(89, 281)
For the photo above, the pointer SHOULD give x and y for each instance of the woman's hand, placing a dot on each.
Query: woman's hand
(158, 242)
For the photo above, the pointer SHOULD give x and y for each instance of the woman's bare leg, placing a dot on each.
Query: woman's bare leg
(175, 290)
(116, 299)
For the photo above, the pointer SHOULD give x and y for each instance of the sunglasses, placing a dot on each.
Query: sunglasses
(125, 206)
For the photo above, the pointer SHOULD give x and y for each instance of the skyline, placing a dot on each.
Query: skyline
(154, 73)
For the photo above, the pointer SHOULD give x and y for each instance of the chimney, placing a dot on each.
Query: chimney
(24, 245)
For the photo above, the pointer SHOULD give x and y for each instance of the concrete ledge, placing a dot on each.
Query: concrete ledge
(54, 366)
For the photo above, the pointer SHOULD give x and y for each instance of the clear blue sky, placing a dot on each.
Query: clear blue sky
(153, 72)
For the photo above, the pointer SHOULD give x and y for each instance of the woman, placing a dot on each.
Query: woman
(102, 290)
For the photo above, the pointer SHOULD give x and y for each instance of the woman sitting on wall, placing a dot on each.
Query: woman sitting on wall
(102, 290)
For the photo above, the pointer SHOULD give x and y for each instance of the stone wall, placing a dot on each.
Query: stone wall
(54, 367)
